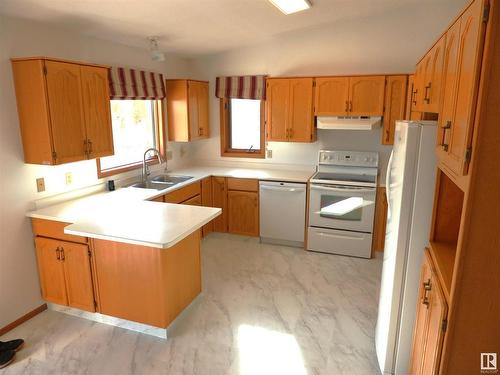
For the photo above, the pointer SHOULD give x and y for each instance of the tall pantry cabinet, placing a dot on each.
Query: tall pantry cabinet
(458, 308)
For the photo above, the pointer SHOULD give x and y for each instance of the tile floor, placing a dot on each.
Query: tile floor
(264, 310)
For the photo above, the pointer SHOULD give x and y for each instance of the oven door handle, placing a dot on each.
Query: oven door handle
(325, 234)
(344, 190)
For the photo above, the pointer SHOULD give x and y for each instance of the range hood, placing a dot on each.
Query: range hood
(349, 122)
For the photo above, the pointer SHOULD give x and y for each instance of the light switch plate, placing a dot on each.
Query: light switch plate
(40, 184)
(269, 154)
(69, 178)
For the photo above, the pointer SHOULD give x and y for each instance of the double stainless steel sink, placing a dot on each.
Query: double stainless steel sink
(161, 182)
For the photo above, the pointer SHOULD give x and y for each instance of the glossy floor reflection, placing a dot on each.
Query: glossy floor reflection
(264, 310)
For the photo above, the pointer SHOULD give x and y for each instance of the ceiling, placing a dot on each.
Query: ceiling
(192, 27)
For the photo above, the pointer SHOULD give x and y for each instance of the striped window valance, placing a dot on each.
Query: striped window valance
(125, 83)
(241, 87)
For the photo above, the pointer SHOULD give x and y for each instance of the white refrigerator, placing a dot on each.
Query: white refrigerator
(410, 181)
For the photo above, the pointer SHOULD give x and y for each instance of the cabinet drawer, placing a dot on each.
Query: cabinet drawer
(195, 201)
(242, 184)
(54, 229)
(183, 194)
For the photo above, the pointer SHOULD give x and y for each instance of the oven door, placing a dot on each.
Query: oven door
(342, 207)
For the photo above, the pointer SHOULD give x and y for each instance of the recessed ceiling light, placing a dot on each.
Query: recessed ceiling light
(291, 6)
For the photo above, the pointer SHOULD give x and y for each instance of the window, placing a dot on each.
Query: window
(242, 128)
(136, 127)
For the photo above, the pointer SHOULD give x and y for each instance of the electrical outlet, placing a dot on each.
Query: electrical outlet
(269, 154)
(69, 178)
(40, 184)
(169, 155)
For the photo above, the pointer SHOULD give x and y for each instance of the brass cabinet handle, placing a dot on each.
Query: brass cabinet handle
(90, 147)
(427, 288)
(347, 105)
(350, 108)
(447, 125)
(445, 128)
(86, 147)
(290, 132)
(427, 92)
(58, 253)
(415, 96)
(62, 254)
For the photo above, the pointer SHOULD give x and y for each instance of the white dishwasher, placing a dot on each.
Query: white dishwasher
(282, 212)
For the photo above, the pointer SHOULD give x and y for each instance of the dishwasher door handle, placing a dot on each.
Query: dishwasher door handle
(284, 189)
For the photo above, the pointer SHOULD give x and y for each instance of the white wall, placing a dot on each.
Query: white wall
(385, 43)
(19, 289)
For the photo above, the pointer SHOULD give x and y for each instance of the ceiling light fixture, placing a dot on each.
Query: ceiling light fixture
(291, 6)
(156, 54)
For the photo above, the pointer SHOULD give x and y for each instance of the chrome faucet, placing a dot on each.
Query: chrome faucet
(145, 167)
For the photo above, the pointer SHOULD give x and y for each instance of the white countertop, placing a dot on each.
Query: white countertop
(125, 215)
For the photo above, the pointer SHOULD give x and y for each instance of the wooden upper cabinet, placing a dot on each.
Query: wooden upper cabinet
(430, 323)
(331, 96)
(277, 100)
(433, 77)
(395, 101)
(366, 96)
(418, 87)
(77, 273)
(450, 75)
(300, 114)
(63, 110)
(290, 109)
(461, 85)
(51, 270)
(97, 112)
(187, 110)
(66, 110)
(409, 96)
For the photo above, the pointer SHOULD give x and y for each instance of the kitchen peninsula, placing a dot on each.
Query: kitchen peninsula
(119, 260)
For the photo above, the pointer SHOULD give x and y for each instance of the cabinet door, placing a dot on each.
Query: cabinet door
(366, 96)
(422, 318)
(243, 212)
(395, 98)
(278, 96)
(76, 260)
(51, 270)
(195, 201)
(193, 110)
(64, 92)
(331, 96)
(469, 64)
(300, 114)
(96, 109)
(203, 113)
(206, 201)
(418, 91)
(219, 199)
(450, 74)
(434, 77)
(409, 96)
(435, 329)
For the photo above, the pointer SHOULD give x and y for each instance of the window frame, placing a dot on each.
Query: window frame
(161, 144)
(225, 133)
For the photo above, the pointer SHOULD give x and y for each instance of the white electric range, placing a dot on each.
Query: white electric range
(342, 203)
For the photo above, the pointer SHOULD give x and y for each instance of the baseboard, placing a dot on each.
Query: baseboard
(23, 319)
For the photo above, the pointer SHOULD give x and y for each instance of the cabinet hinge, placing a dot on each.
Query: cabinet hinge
(89, 252)
(54, 155)
(444, 325)
(486, 12)
(44, 70)
(468, 154)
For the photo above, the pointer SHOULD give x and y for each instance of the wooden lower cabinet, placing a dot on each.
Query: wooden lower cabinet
(219, 200)
(206, 201)
(243, 212)
(65, 273)
(430, 324)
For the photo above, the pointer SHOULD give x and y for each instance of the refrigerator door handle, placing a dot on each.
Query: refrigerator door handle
(388, 182)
